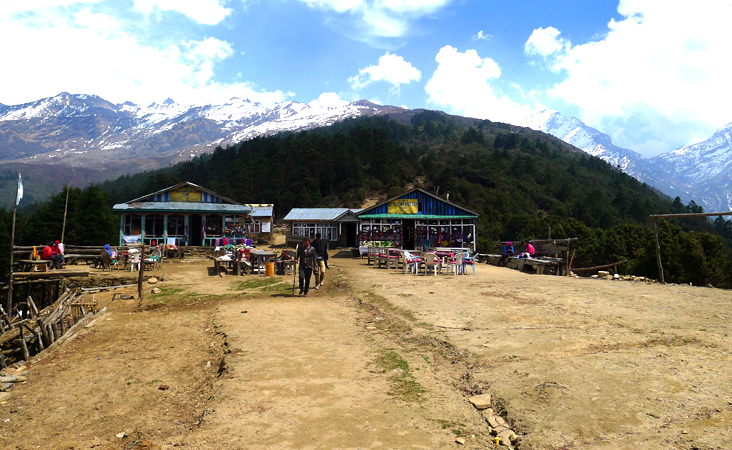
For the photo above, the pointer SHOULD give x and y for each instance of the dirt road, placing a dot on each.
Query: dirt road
(380, 359)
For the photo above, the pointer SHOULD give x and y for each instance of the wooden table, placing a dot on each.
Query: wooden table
(259, 258)
(34, 265)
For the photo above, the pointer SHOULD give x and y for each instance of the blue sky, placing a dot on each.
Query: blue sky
(653, 74)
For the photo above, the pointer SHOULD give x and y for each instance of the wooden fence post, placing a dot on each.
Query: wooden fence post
(658, 252)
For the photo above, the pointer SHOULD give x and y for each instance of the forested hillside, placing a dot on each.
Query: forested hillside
(521, 182)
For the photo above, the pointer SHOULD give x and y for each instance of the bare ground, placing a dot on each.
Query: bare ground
(380, 359)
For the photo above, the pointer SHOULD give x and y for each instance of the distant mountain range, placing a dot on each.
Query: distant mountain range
(699, 172)
(84, 138)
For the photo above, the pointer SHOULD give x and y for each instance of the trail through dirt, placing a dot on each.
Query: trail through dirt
(381, 359)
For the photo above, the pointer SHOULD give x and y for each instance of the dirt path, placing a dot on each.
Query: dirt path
(380, 359)
(585, 363)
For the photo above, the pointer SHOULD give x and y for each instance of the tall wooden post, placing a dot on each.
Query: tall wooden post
(9, 304)
(658, 252)
(139, 276)
(66, 208)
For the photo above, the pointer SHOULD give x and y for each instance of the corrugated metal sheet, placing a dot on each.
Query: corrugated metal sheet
(314, 214)
(261, 210)
(195, 207)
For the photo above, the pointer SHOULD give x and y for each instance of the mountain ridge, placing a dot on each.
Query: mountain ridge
(698, 172)
(90, 139)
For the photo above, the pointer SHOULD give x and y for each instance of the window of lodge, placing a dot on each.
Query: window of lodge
(214, 225)
(328, 231)
(154, 225)
(176, 225)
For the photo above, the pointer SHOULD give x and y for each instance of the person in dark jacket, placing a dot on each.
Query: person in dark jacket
(306, 259)
(321, 258)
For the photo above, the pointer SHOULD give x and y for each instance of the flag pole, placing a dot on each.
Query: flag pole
(12, 247)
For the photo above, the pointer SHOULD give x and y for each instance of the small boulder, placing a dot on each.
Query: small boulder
(460, 441)
(156, 290)
(152, 280)
(492, 421)
(481, 402)
(603, 273)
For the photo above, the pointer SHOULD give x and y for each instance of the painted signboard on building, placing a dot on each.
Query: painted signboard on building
(404, 206)
(185, 194)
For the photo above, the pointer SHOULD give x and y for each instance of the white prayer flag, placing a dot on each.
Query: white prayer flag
(20, 190)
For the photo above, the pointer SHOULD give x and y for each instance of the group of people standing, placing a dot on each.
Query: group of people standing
(312, 259)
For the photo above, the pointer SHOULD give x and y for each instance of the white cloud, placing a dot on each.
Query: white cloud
(657, 79)
(482, 36)
(380, 18)
(544, 42)
(328, 100)
(74, 49)
(462, 83)
(391, 68)
(339, 6)
(8, 7)
(207, 12)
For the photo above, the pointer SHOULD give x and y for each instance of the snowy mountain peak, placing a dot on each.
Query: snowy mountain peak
(144, 137)
(699, 172)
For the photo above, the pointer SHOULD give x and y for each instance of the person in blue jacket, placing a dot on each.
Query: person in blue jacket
(507, 252)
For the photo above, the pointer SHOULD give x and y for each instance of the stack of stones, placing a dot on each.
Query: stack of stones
(16, 373)
(497, 426)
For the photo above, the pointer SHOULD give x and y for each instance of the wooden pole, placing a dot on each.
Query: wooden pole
(66, 208)
(658, 253)
(23, 345)
(294, 272)
(571, 261)
(9, 303)
(139, 276)
(606, 266)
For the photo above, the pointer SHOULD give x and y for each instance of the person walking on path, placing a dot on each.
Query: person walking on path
(306, 260)
(321, 258)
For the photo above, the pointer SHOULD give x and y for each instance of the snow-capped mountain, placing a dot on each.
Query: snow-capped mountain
(86, 130)
(592, 141)
(701, 172)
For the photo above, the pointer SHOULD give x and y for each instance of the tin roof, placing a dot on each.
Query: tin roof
(315, 214)
(261, 210)
(181, 207)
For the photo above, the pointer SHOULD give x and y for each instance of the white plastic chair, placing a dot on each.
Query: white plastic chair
(466, 261)
(135, 261)
(431, 260)
(411, 262)
(454, 264)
